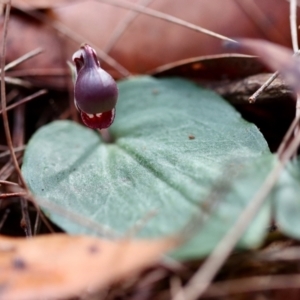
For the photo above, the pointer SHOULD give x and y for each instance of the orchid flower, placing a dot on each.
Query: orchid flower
(95, 91)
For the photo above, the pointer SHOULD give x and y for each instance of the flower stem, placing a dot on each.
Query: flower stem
(105, 135)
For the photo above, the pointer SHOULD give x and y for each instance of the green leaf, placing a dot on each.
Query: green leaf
(287, 200)
(154, 164)
(234, 194)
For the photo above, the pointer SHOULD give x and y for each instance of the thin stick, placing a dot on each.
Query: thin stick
(160, 15)
(5, 169)
(3, 96)
(18, 81)
(23, 58)
(37, 223)
(121, 28)
(38, 72)
(176, 287)
(18, 140)
(8, 182)
(254, 97)
(203, 277)
(287, 136)
(5, 117)
(9, 195)
(16, 149)
(293, 25)
(26, 99)
(8, 169)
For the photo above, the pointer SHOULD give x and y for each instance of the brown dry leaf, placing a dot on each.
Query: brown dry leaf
(59, 266)
(148, 42)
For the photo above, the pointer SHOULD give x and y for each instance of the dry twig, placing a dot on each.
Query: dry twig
(254, 97)
(9, 195)
(8, 182)
(293, 25)
(23, 58)
(3, 96)
(26, 99)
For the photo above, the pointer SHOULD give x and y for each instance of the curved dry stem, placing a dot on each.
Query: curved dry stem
(293, 25)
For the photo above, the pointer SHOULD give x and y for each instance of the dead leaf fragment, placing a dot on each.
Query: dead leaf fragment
(145, 43)
(59, 266)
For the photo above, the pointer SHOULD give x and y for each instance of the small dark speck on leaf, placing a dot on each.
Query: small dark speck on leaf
(191, 137)
(42, 190)
(155, 91)
(93, 249)
(19, 263)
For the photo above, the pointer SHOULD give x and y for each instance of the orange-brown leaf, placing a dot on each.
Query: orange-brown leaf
(59, 266)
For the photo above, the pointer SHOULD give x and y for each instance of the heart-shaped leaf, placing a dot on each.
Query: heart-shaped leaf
(174, 145)
(287, 200)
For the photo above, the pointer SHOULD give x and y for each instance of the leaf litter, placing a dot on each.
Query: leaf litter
(177, 287)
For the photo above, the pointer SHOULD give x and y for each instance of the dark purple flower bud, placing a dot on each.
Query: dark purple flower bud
(95, 91)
